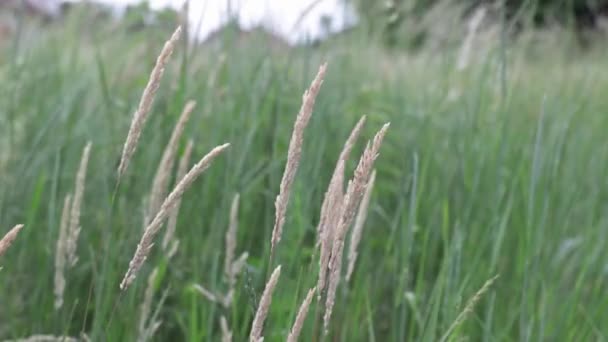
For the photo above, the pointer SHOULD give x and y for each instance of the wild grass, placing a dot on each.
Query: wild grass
(506, 178)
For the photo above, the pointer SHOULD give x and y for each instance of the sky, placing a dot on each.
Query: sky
(280, 16)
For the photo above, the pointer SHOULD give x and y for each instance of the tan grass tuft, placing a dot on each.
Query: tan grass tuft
(61, 253)
(144, 328)
(358, 227)
(301, 317)
(469, 307)
(262, 311)
(145, 103)
(74, 226)
(231, 241)
(293, 156)
(163, 173)
(146, 242)
(8, 238)
(354, 193)
(182, 168)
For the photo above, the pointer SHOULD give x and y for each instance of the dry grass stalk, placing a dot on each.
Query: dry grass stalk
(182, 168)
(143, 327)
(354, 193)
(226, 333)
(145, 103)
(293, 155)
(231, 241)
(344, 155)
(358, 227)
(146, 242)
(74, 226)
(260, 316)
(46, 338)
(8, 238)
(224, 300)
(61, 253)
(163, 173)
(237, 266)
(469, 307)
(329, 220)
(301, 317)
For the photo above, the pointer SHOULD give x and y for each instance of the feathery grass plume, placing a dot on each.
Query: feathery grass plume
(330, 219)
(161, 179)
(60, 253)
(226, 333)
(473, 25)
(260, 315)
(212, 297)
(293, 155)
(8, 238)
(301, 317)
(182, 168)
(344, 155)
(46, 338)
(231, 241)
(468, 308)
(358, 227)
(74, 226)
(145, 103)
(146, 242)
(237, 266)
(146, 308)
(354, 193)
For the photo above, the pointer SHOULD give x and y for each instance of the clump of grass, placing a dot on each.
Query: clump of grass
(293, 156)
(146, 242)
(145, 104)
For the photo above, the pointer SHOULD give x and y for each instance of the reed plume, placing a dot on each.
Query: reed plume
(301, 317)
(61, 253)
(354, 193)
(358, 227)
(260, 316)
(9, 238)
(231, 241)
(145, 103)
(293, 156)
(74, 226)
(146, 242)
(226, 333)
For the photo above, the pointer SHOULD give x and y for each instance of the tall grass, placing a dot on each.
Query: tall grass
(489, 182)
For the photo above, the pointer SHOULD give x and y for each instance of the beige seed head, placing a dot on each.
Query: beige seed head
(172, 221)
(74, 226)
(301, 317)
(358, 227)
(354, 193)
(45, 338)
(226, 333)
(260, 316)
(293, 155)
(145, 103)
(61, 253)
(163, 173)
(231, 240)
(146, 242)
(8, 238)
(146, 307)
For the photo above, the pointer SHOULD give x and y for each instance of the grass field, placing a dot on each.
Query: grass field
(500, 169)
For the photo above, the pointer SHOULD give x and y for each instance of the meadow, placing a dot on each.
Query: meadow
(487, 220)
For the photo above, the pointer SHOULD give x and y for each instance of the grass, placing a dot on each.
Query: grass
(508, 179)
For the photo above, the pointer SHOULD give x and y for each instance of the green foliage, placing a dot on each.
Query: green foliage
(507, 178)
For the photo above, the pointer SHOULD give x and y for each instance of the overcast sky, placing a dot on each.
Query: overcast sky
(277, 15)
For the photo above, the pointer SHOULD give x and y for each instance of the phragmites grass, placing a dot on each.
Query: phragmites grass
(74, 226)
(469, 308)
(146, 242)
(293, 156)
(226, 333)
(9, 238)
(145, 103)
(329, 220)
(231, 241)
(182, 168)
(301, 317)
(355, 237)
(354, 193)
(260, 315)
(163, 173)
(61, 253)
